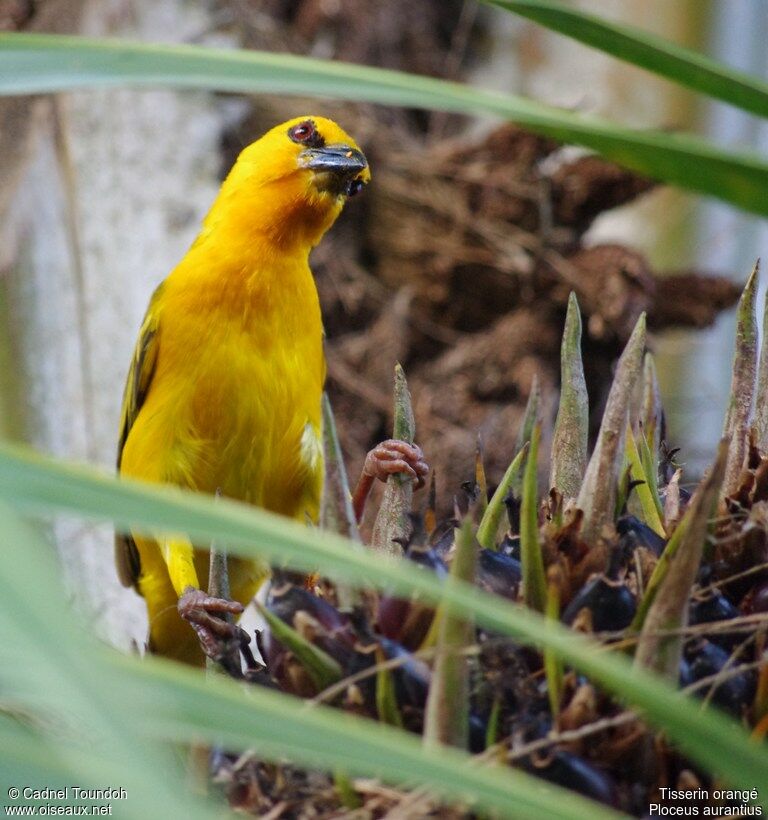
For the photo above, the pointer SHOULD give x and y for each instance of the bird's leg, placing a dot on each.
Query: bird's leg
(389, 458)
(207, 616)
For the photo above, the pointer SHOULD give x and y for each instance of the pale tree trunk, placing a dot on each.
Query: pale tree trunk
(98, 207)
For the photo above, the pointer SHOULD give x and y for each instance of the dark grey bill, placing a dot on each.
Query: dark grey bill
(335, 159)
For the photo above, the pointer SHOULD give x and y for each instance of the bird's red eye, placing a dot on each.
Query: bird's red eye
(305, 132)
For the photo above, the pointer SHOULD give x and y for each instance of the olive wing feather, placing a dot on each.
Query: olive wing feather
(136, 388)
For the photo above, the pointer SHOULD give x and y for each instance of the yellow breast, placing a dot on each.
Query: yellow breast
(234, 403)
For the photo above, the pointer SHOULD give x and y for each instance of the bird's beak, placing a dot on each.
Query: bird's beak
(339, 160)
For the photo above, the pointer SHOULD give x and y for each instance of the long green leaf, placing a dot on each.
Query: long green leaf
(660, 571)
(336, 510)
(446, 718)
(553, 667)
(531, 416)
(40, 484)
(31, 758)
(531, 558)
(178, 705)
(491, 520)
(44, 664)
(39, 63)
(648, 51)
(669, 609)
(320, 666)
(386, 697)
(647, 507)
(156, 700)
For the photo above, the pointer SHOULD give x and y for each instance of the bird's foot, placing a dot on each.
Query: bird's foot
(391, 457)
(211, 619)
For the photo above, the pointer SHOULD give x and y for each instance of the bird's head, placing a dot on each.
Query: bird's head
(294, 181)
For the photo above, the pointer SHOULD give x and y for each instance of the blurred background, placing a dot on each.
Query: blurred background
(457, 261)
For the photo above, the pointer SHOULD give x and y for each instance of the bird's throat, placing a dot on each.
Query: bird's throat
(282, 217)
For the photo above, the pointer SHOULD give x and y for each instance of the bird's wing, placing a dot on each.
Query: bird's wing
(136, 388)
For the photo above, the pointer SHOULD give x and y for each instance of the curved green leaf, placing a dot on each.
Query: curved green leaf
(177, 704)
(39, 63)
(125, 710)
(531, 557)
(490, 522)
(48, 662)
(681, 65)
(33, 482)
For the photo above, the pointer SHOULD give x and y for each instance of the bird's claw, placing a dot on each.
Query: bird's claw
(394, 457)
(391, 457)
(208, 617)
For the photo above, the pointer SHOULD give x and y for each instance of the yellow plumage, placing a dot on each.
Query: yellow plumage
(225, 385)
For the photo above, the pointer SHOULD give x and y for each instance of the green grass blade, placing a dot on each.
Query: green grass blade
(532, 414)
(48, 671)
(678, 64)
(336, 510)
(622, 490)
(38, 63)
(531, 559)
(386, 698)
(46, 760)
(40, 484)
(319, 665)
(492, 732)
(175, 704)
(651, 411)
(660, 571)
(553, 667)
(651, 471)
(669, 608)
(647, 508)
(652, 420)
(531, 418)
(446, 720)
(481, 482)
(488, 529)
(347, 795)
(143, 704)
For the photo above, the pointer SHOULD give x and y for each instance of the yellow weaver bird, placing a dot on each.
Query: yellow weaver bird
(224, 389)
